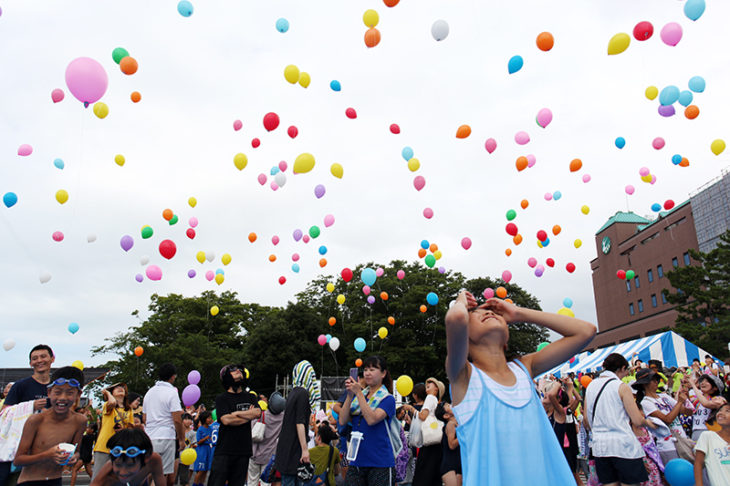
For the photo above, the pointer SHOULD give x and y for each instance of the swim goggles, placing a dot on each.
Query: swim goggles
(129, 452)
(63, 381)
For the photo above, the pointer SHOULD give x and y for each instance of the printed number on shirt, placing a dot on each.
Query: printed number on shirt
(214, 436)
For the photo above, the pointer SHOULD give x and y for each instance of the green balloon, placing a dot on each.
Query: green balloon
(542, 345)
(314, 231)
(630, 274)
(214, 415)
(511, 214)
(430, 261)
(173, 220)
(119, 53)
(147, 232)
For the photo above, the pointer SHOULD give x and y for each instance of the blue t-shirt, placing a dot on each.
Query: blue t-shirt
(214, 433)
(375, 449)
(25, 390)
(203, 432)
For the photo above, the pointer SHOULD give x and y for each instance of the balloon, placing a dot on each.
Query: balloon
(191, 273)
(548, 196)
(501, 292)
(394, 129)
(671, 34)
(511, 214)
(391, 3)
(334, 344)
(666, 111)
(271, 121)
(304, 79)
(404, 385)
(521, 163)
(194, 377)
(466, 242)
(57, 95)
(86, 80)
(138, 351)
(618, 43)
(620, 142)
(73, 328)
(127, 242)
(144, 260)
(90, 238)
(153, 272)
(630, 274)
(717, 146)
(119, 160)
(185, 8)
(685, 98)
(292, 131)
(61, 196)
(432, 298)
(101, 110)
(430, 261)
(44, 277)
(669, 95)
(694, 9)
(240, 161)
(428, 213)
(575, 165)
(577, 243)
(557, 229)
(319, 191)
(359, 345)
(237, 125)
(78, 364)
(668, 204)
(368, 276)
(255, 143)
(383, 332)
(128, 65)
(658, 143)
(651, 92)
(544, 117)
(10, 199)
(370, 18)
(372, 37)
(214, 310)
(550, 262)
(400, 274)
(291, 73)
(644, 171)
(190, 395)
(335, 85)
(507, 276)
(629, 189)
(585, 380)
(440, 30)
(531, 262)
(490, 145)
(545, 42)
(691, 112)
(511, 229)
(697, 84)
(322, 339)
(515, 64)
(542, 345)
(656, 207)
(340, 299)
(167, 214)
(585, 209)
(303, 163)
(226, 258)
(190, 232)
(679, 472)
(643, 31)
(570, 267)
(25, 150)
(557, 195)
(167, 249)
(282, 25)
(521, 138)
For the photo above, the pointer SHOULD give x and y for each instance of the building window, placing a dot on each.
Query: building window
(659, 271)
(650, 275)
(686, 258)
(628, 286)
(675, 262)
(631, 308)
(640, 304)
(653, 300)
(664, 298)
(637, 284)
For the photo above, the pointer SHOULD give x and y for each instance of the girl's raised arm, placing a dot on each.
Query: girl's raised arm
(457, 344)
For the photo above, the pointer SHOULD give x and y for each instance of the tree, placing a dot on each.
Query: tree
(702, 298)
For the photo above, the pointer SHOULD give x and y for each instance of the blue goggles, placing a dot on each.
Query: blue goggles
(129, 452)
(63, 381)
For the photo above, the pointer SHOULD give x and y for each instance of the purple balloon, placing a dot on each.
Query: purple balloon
(191, 273)
(319, 191)
(139, 277)
(127, 242)
(86, 80)
(297, 234)
(190, 395)
(666, 111)
(194, 378)
(442, 270)
(371, 300)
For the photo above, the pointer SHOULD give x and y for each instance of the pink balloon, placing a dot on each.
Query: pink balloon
(428, 213)
(86, 80)
(329, 220)
(531, 160)
(25, 150)
(295, 257)
(193, 222)
(400, 274)
(548, 196)
(644, 171)
(586, 178)
(488, 293)
(209, 275)
(658, 143)
(521, 138)
(305, 238)
(322, 339)
(366, 290)
(283, 166)
(154, 272)
(466, 242)
(237, 125)
(262, 179)
(671, 34)
(275, 240)
(532, 261)
(629, 189)
(507, 276)
(57, 95)
(539, 271)
(544, 117)
(57, 236)
(490, 145)
(653, 179)
(379, 272)
(419, 182)
(274, 186)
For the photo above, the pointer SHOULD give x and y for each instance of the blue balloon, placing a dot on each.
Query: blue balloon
(407, 153)
(322, 250)
(679, 472)
(368, 276)
(546, 242)
(656, 207)
(557, 195)
(669, 95)
(432, 298)
(328, 336)
(220, 271)
(73, 328)
(335, 85)
(58, 163)
(568, 302)
(694, 9)
(282, 25)
(425, 244)
(697, 84)
(515, 64)
(274, 170)
(685, 98)
(295, 267)
(620, 142)
(185, 8)
(676, 159)
(359, 345)
(10, 198)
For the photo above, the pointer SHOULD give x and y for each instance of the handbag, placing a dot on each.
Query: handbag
(257, 432)
(685, 447)
(432, 430)
(320, 479)
(415, 437)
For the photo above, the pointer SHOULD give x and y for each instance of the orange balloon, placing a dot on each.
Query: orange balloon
(322, 262)
(167, 214)
(272, 258)
(384, 295)
(423, 308)
(358, 362)
(691, 112)
(585, 380)
(684, 163)
(556, 229)
(332, 321)
(575, 165)
(135, 96)
(252, 237)
(434, 247)
(463, 131)
(545, 41)
(509, 300)
(391, 3)
(501, 292)
(521, 163)
(391, 320)
(372, 37)
(138, 351)
(421, 253)
(517, 239)
(508, 251)
(128, 65)
(525, 203)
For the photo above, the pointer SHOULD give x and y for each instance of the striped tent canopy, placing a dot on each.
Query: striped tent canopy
(668, 347)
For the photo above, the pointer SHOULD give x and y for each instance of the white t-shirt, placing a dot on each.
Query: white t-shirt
(430, 404)
(159, 403)
(717, 456)
(663, 404)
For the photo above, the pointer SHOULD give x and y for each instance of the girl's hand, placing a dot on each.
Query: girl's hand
(510, 312)
(466, 298)
(352, 386)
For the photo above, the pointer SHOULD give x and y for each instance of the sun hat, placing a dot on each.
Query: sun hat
(643, 376)
(441, 387)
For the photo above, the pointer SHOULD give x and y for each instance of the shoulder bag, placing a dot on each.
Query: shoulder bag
(432, 430)
(321, 479)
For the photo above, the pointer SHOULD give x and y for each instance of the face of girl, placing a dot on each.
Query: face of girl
(706, 387)
(118, 394)
(432, 389)
(652, 385)
(135, 403)
(485, 323)
(723, 416)
(125, 467)
(373, 376)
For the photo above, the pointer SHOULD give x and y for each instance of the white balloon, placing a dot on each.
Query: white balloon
(9, 344)
(91, 238)
(440, 30)
(280, 179)
(44, 277)
(210, 256)
(144, 260)
(334, 344)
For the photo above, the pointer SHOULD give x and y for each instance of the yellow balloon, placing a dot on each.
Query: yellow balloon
(618, 43)
(61, 196)
(651, 92)
(404, 385)
(245, 370)
(646, 178)
(577, 243)
(414, 164)
(101, 110)
(336, 170)
(330, 287)
(226, 259)
(78, 364)
(718, 146)
(193, 202)
(382, 333)
(263, 405)
(539, 244)
(240, 161)
(304, 79)
(585, 209)
(214, 310)
(303, 163)
(437, 254)
(119, 159)
(291, 73)
(564, 311)
(219, 278)
(200, 256)
(188, 456)
(371, 18)
(340, 299)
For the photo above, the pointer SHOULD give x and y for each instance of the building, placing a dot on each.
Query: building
(629, 309)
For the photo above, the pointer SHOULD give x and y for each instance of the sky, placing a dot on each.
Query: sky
(226, 61)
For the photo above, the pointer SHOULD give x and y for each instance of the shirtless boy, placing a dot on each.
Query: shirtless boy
(132, 461)
(39, 453)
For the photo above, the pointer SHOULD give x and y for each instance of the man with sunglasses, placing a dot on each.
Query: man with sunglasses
(50, 438)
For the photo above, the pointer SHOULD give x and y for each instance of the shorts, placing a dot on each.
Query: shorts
(204, 458)
(228, 468)
(166, 449)
(618, 469)
(46, 482)
(371, 476)
(100, 458)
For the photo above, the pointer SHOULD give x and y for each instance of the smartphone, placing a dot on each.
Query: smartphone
(354, 372)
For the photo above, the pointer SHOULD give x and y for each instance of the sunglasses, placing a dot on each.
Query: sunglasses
(63, 381)
(129, 452)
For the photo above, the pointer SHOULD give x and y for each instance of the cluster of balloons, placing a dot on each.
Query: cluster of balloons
(647, 176)
(294, 76)
(669, 95)
(191, 393)
(372, 36)
(670, 34)
(431, 254)
(626, 274)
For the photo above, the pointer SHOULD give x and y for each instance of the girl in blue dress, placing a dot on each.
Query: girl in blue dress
(504, 433)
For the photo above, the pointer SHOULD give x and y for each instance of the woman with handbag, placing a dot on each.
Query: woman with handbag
(324, 456)
(428, 461)
(116, 415)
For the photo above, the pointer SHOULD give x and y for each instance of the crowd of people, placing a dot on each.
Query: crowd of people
(497, 423)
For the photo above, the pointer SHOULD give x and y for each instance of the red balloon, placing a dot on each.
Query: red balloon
(351, 113)
(292, 131)
(191, 233)
(668, 204)
(346, 274)
(255, 143)
(282, 280)
(621, 274)
(511, 229)
(550, 262)
(570, 267)
(394, 129)
(643, 31)
(271, 121)
(168, 249)
(542, 235)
